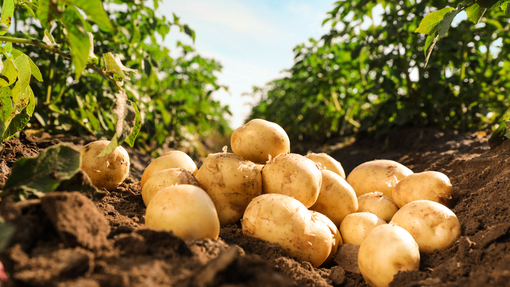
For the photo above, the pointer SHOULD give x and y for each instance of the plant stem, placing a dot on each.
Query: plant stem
(41, 45)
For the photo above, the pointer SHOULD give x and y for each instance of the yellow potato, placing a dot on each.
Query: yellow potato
(328, 162)
(171, 159)
(184, 209)
(335, 233)
(387, 250)
(429, 185)
(166, 178)
(108, 171)
(284, 220)
(377, 175)
(356, 226)
(231, 182)
(293, 175)
(433, 225)
(377, 203)
(259, 140)
(336, 198)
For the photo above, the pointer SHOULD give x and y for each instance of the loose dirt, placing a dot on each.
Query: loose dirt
(67, 240)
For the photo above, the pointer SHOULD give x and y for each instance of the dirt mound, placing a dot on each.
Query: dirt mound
(64, 241)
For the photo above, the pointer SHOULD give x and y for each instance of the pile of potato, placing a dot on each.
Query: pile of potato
(305, 204)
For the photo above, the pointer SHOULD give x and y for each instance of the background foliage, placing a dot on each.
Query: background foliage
(374, 79)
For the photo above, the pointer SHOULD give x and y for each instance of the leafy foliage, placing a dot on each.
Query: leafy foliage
(363, 77)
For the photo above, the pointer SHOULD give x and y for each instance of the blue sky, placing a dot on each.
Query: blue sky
(253, 40)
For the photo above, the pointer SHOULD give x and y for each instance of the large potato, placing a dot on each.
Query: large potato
(171, 159)
(318, 217)
(433, 225)
(166, 178)
(184, 209)
(387, 250)
(108, 171)
(259, 140)
(377, 203)
(328, 162)
(429, 185)
(293, 175)
(336, 198)
(356, 226)
(231, 182)
(284, 220)
(377, 175)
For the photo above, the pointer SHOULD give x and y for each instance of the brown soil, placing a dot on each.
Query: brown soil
(67, 240)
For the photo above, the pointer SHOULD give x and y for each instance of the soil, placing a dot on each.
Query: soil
(65, 239)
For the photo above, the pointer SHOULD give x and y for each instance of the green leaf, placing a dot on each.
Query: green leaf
(43, 174)
(115, 66)
(9, 73)
(6, 18)
(94, 10)
(49, 40)
(34, 70)
(78, 38)
(446, 22)
(30, 10)
(475, 13)
(189, 32)
(6, 232)
(130, 140)
(17, 124)
(432, 20)
(47, 12)
(500, 134)
(31, 102)
(6, 104)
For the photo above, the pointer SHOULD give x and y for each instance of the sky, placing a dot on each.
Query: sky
(253, 40)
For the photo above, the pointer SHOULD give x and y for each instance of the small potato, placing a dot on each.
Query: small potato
(433, 225)
(328, 162)
(377, 175)
(231, 182)
(356, 226)
(166, 178)
(284, 220)
(387, 250)
(184, 209)
(377, 203)
(336, 198)
(259, 140)
(335, 233)
(108, 171)
(429, 185)
(293, 175)
(171, 159)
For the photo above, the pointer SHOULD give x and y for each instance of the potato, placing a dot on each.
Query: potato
(336, 198)
(377, 175)
(166, 178)
(259, 140)
(356, 226)
(108, 171)
(184, 209)
(281, 219)
(377, 203)
(171, 159)
(433, 225)
(328, 162)
(335, 233)
(293, 175)
(429, 185)
(387, 250)
(231, 182)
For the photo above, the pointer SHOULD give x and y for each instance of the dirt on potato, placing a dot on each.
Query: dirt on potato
(67, 240)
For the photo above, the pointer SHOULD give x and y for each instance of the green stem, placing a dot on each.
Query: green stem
(59, 52)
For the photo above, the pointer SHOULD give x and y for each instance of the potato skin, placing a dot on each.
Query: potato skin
(336, 198)
(166, 178)
(356, 226)
(387, 250)
(433, 225)
(377, 203)
(293, 175)
(106, 172)
(327, 162)
(184, 209)
(334, 232)
(377, 175)
(429, 185)
(231, 182)
(171, 159)
(259, 140)
(284, 220)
